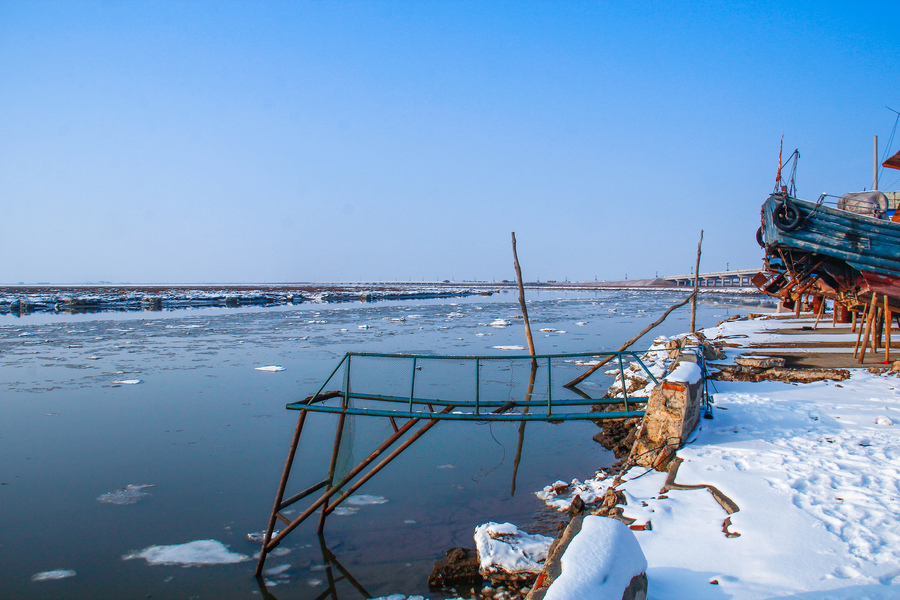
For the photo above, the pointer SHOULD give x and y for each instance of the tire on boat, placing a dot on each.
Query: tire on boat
(759, 238)
(787, 217)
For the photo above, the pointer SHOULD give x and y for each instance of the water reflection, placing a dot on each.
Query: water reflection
(331, 565)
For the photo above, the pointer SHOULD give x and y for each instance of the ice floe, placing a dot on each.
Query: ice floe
(126, 382)
(129, 494)
(55, 574)
(365, 500)
(508, 347)
(191, 554)
(270, 368)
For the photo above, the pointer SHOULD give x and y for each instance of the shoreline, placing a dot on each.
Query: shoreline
(810, 466)
(79, 299)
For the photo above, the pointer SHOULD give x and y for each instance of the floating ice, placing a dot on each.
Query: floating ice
(126, 382)
(55, 574)
(548, 329)
(365, 499)
(129, 494)
(260, 536)
(270, 368)
(508, 347)
(499, 323)
(191, 554)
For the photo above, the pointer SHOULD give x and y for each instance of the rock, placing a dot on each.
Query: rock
(458, 567)
(595, 558)
(760, 362)
(738, 373)
(577, 506)
(671, 414)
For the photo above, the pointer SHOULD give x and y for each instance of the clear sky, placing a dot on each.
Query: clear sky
(378, 141)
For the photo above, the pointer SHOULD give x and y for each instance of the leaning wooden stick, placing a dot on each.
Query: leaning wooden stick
(587, 373)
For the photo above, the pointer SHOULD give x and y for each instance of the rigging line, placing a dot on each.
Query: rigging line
(482, 475)
(887, 148)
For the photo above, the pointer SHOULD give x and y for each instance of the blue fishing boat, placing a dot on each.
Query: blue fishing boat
(845, 247)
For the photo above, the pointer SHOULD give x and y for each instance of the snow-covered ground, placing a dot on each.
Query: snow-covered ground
(815, 470)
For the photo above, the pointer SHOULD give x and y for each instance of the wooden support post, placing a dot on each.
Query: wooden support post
(873, 308)
(821, 311)
(888, 324)
(853, 321)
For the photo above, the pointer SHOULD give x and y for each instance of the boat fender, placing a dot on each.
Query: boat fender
(787, 217)
(759, 238)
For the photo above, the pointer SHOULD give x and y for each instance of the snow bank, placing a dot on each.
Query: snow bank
(599, 563)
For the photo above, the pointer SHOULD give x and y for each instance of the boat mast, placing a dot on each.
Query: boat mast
(875, 177)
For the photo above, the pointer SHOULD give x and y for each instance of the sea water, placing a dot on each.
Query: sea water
(138, 450)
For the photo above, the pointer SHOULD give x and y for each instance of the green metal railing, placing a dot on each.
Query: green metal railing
(473, 388)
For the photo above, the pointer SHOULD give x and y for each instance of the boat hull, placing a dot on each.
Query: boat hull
(848, 254)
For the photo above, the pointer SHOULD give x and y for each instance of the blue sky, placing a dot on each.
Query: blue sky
(379, 141)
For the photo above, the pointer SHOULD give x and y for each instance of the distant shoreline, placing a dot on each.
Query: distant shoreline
(25, 299)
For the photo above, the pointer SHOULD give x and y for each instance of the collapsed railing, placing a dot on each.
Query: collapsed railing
(415, 392)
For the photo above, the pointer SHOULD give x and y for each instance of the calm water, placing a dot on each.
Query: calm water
(210, 433)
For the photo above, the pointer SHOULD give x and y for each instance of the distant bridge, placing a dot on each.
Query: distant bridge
(719, 279)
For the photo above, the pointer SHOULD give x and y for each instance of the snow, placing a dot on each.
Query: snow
(270, 368)
(55, 574)
(559, 495)
(814, 470)
(191, 554)
(502, 547)
(615, 558)
(686, 372)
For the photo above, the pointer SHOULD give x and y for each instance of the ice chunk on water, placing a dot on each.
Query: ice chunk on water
(55, 574)
(499, 323)
(191, 554)
(126, 382)
(129, 494)
(270, 368)
(365, 499)
(508, 347)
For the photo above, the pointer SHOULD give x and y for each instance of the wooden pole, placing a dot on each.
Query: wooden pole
(821, 312)
(873, 308)
(522, 300)
(696, 285)
(888, 323)
(587, 373)
(875, 176)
